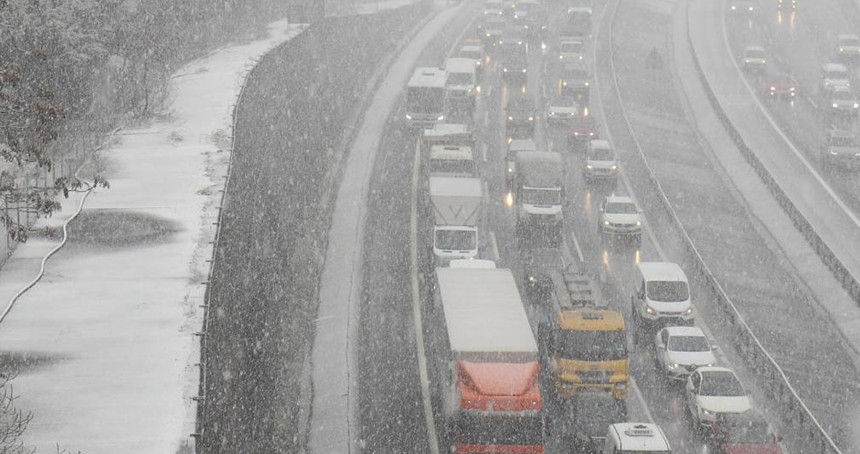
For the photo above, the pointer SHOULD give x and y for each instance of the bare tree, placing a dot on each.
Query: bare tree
(13, 421)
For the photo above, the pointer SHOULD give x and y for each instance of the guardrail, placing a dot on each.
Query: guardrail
(806, 434)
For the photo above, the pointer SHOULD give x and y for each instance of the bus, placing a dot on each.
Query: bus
(425, 97)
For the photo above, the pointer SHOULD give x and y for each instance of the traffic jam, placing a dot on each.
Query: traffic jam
(536, 346)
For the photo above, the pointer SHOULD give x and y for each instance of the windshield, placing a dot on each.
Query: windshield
(460, 79)
(842, 96)
(591, 345)
(755, 53)
(489, 428)
(601, 154)
(688, 344)
(720, 383)
(452, 167)
(571, 47)
(667, 291)
(456, 240)
(836, 74)
(425, 99)
(522, 105)
(843, 142)
(850, 42)
(541, 196)
(621, 208)
(752, 432)
(563, 101)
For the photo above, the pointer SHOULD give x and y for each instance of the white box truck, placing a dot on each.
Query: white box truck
(457, 211)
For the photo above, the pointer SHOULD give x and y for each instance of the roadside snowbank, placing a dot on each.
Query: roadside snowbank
(105, 341)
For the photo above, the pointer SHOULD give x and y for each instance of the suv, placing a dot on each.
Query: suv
(833, 75)
(755, 59)
(515, 65)
(839, 148)
(520, 120)
(848, 47)
(600, 161)
(679, 350)
(713, 393)
(575, 81)
(620, 217)
(743, 432)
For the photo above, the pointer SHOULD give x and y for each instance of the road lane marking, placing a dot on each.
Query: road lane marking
(641, 399)
(494, 246)
(484, 151)
(577, 248)
(416, 304)
(645, 225)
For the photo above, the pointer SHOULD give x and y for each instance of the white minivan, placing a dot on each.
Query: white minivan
(661, 296)
(461, 82)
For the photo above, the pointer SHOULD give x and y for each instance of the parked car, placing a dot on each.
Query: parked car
(680, 350)
(713, 392)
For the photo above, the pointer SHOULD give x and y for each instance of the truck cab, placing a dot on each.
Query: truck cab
(452, 161)
(588, 342)
(456, 215)
(539, 194)
(461, 83)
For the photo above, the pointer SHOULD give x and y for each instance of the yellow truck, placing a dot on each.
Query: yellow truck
(587, 342)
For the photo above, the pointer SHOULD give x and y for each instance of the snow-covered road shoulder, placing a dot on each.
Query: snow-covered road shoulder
(105, 342)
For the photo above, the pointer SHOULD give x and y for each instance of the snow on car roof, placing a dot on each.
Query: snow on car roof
(685, 331)
(662, 271)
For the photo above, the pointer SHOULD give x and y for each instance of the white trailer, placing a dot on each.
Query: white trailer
(457, 211)
(425, 97)
(452, 161)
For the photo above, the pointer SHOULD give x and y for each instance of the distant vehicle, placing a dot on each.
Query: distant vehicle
(461, 82)
(520, 116)
(620, 218)
(492, 399)
(786, 5)
(493, 8)
(425, 97)
(712, 392)
(680, 350)
(575, 80)
(536, 24)
(834, 75)
(743, 7)
(578, 23)
(661, 297)
(539, 195)
(636, 438)
(840, 148)
(592, 414)
(476, 53)
(582, 130)
(755, 59)
(491, 30)
(841, 101)
(746, 432)
(848, 46)
(601, 163)
(455, 134)
(780, 86)
(515, 67)
(571, 50)
(452, 161)
(561, 109)
(512, 39)
(538, 265)
(515, 146)
(456, 216)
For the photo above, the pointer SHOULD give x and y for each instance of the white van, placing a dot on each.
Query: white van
(634, 437)
(661, 296)
(461, 81)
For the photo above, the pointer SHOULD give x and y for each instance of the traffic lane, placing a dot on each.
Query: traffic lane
(760, 284)
(390, 395)
(804, 121)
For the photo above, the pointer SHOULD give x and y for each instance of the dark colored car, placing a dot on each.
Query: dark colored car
(583, 128)
(743, 433)
(538, 265)
(520, 116)
(780, 86)
(515, 66)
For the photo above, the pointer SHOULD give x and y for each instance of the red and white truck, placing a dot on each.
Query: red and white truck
(492, 398)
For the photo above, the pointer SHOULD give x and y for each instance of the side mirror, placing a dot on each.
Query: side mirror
(715, 348)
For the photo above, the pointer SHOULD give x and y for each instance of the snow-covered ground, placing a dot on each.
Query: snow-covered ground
(105, 340)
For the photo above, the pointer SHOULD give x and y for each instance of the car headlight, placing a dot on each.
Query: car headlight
(504, 69)
(707, 412)
(488, 35)
(589, 166)
(856, 105)
(586, 84)
(841, 49)
(689, 311)
(519, 43)
(564, 83)
(605, 222)
(638, 223)
(833, 153)
(591, 134)
(734, 7)
(674, 365)
(613, 167)
(791, 89)
(581, 57)
(772, 88)
(510, 170)
(531, 118)
(561, 57)
(440, 118)
(532, 279)
(408, 117)
(751, 8)
(576, 133)
(709, 365)
(524, 70)
(510, 118)
(834, 104)
(649, 310)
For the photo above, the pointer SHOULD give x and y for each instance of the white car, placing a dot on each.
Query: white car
(834, 75)
(680, 350)
(619, 216)
(571, 50)
(848, 46)
(600, 161)
(755, 59)
(561, 108)
(712, 391)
